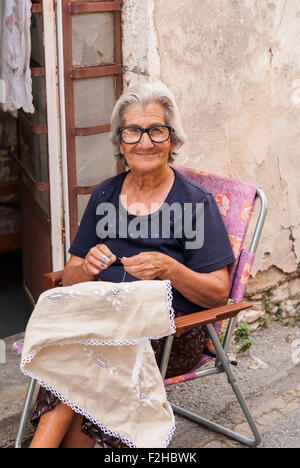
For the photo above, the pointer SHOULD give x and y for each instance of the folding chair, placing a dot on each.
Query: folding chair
(236, 201)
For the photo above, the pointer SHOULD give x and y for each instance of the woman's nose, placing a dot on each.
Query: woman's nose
(145, 141)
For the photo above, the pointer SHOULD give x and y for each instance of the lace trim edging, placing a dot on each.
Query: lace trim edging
(169, 307)
(104, 428)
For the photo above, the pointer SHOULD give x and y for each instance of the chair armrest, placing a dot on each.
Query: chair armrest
(209, 316)
(53, 280)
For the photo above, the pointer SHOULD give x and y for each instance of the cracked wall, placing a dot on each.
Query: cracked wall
(141, 57)
(234, 67)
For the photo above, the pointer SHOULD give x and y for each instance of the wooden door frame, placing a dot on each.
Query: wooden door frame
(71, 73)
(54, 137)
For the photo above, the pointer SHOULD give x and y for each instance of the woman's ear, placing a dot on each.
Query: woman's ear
(121, 149)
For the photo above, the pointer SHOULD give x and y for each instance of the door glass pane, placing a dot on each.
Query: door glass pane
(38, 93)
(37, 47)
(93, 101)
(82, 201)
(42, 198)
(95, 159)
(93, 39)
(34, 153)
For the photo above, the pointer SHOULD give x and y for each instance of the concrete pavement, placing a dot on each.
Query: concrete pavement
(269, 375)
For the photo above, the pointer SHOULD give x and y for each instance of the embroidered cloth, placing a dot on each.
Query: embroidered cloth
(15, 51)
(89, 344)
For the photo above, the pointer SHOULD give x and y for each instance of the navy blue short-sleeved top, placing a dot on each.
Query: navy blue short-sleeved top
(188, 227)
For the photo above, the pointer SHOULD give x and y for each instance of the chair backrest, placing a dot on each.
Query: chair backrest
(236, 201)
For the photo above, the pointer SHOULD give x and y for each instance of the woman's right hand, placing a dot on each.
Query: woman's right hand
(98, 259)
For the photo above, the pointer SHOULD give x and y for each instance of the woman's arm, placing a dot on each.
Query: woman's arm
(204, 289)
(74, 272)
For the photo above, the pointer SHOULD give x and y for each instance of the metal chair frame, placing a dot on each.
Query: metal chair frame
(221, 363)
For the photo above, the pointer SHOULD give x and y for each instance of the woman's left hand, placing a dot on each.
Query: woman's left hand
(204, 289)
(148, 265)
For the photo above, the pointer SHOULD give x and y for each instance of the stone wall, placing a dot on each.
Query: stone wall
(234, 67)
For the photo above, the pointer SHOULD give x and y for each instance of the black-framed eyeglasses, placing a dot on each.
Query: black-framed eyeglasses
(132, 134)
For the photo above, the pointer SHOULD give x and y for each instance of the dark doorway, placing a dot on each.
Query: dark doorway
(15, 308)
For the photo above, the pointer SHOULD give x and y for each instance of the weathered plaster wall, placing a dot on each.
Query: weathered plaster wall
(141, 57)
(234, 67)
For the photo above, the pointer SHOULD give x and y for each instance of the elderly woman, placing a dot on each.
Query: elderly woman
(146, 131)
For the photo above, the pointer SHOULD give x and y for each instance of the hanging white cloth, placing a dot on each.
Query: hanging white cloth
(15, 49)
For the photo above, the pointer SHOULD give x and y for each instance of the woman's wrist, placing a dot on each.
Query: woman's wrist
(86, 273)
(170, 268)
(75, 274)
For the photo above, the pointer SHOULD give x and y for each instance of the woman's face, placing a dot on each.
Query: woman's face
(146, 156)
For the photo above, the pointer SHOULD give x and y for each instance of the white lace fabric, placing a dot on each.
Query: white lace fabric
(15, 51)
(89, 344)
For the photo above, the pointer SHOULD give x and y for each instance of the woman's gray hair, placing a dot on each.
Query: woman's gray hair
(144, 94)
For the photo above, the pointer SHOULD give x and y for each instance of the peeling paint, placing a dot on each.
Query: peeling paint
(141, 58)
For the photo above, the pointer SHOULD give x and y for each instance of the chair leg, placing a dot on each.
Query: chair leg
(166, 355)
(25, 412)
(228, 333)
(231, 379)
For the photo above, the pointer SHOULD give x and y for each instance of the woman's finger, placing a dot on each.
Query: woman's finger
(92, 270)
(97, 263)
(105, 255)
(140, 259)
(94, 263)
(141, 271)
(98, 259)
